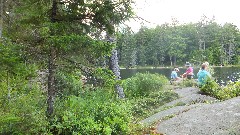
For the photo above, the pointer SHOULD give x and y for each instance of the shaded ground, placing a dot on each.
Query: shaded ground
(196, 114)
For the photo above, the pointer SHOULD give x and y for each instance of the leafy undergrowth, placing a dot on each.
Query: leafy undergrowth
(87, 111)
(146, 93)
(142, 85)
(145, 106)
(99, 112)
(212, 88)
(231, 90)
(24, 113)
(95, 112)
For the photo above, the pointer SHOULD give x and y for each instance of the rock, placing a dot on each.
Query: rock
(211, 119)
(192, 114)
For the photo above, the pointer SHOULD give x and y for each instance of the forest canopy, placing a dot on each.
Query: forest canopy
(173, 44)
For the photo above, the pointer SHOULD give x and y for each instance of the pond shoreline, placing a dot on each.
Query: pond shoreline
(152, 67)
(222, 75)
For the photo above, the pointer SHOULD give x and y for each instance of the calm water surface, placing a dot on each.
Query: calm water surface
(221, 74)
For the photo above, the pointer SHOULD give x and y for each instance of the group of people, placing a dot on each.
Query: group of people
(202, 75)
(188, 74)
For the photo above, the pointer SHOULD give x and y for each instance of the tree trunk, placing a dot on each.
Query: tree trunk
(1, 17)
(116, 70)
(171, 60)
(230, 52)
(51, 67)
(51, 81)
(134, 58)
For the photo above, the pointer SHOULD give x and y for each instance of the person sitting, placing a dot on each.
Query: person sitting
(189, 72)
(174, 76)
(203, 75)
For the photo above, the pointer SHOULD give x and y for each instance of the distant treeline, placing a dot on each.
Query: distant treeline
(174, 44)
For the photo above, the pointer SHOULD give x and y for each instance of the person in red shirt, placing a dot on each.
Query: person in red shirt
(189, 72)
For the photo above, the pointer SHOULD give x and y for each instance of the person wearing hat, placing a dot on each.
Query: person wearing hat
(174, 76)
(189, 72)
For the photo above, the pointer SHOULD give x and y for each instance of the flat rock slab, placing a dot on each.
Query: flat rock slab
(191, 99)
(210, 119)
(188, 99)
(169, 112)
(186, 91)
(190, 95)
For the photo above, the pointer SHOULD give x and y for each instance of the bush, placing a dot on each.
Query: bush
(146, 93)
(24, 114)
(104, 78)
(92, 113)
(229, 91)
(210, 88)
(143, 107)
(143, 84)
(68, 83)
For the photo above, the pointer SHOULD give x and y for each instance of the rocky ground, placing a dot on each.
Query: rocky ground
(196, 114)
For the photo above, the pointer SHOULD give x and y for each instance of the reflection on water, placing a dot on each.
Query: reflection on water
(226, 74)
(221, 74)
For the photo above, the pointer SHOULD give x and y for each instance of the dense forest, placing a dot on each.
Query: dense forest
(48, 48)
(174, 44)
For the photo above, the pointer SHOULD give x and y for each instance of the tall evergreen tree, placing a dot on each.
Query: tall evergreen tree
(57, 27)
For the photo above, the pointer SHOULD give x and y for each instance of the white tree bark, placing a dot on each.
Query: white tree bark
(116, 70)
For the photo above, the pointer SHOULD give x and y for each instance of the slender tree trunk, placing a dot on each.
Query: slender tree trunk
(230, 50)
(51, 81)
(116, 70)
(134, 58)
(1, 17)
(52, 68)
(171, 60)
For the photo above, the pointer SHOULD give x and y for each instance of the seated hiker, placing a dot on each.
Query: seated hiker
(189, 72)
(174, 76)
(203, 75)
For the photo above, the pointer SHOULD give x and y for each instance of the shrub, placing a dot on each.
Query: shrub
(68, 83)
(229, 91)
(104, 78)
(143, 84)
(24, 114)
(94, 112)
(210, 88)
(143, 107)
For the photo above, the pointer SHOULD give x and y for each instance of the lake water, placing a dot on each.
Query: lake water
(221, 74)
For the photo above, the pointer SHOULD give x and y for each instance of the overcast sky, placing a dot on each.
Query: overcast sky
(161, 11)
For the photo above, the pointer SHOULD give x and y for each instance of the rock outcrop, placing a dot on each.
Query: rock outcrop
(196, 114)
